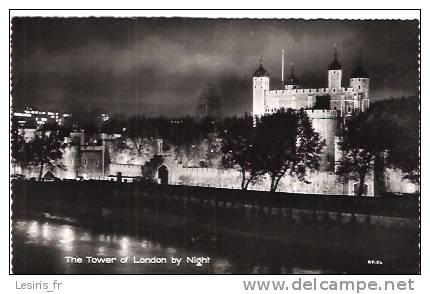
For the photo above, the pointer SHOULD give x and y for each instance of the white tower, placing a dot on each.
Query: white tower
(335, 74)
(260, 84)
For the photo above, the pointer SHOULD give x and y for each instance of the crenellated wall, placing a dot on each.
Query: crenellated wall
(129, 170)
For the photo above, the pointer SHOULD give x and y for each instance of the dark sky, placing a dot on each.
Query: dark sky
(160, 66)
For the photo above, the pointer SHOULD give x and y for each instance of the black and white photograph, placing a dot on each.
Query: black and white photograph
(213, 145)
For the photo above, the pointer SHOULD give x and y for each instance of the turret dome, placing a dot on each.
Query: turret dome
(335, 65)
(359, 71)
(261, 71)
(292, 80)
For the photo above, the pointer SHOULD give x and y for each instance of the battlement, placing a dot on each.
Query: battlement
(128, 170)
(321, 113)
(349, 90)
(360, 79)
(295, 91)
(278, 93)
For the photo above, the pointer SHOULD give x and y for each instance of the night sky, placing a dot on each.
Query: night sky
(160, 66)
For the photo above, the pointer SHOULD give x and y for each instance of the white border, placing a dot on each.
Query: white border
(189, 284)
(305, 14)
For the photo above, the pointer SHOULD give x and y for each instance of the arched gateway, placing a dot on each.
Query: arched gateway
(163, 175)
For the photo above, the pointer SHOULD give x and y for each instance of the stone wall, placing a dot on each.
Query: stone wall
(102, 161)
(395, 182)
(320, 182)
(128, 170)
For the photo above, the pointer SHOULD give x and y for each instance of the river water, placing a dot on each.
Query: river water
(42, 246)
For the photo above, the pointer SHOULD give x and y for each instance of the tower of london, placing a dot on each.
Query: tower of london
(325, 106)
(340, 100)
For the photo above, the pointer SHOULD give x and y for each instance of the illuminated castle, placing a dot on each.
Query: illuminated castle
(343, 101)
(323, 105)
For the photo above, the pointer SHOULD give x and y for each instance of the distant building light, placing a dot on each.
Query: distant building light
(105, 117)
(50, 113)
(22, 114)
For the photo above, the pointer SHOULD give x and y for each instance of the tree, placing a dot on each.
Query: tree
(19, 148)
(114, 125)
(239, 150)
(387, 134)
(366, 138)
(46, 150)
(287, 143)
(141, 132)
(403, 152)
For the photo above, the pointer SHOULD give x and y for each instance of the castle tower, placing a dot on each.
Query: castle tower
(260, 84)
(292, 82)
(335, 74)
(360, 83)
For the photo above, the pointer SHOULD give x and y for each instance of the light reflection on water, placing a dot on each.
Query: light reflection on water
(59, 240)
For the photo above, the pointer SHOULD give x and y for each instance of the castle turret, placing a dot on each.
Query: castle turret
(261, 80)
(360, 83)
(335, 74)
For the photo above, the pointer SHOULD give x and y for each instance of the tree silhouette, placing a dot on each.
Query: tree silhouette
(239, 149)
(287, 143)
(46, 150)
(366, 138)
(20, 152)
(403, 120)
(387, 133)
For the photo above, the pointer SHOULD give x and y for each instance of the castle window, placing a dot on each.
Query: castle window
(359, 87)
(334, 90)
(349, 109)
(359, 80)
(85, 161)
